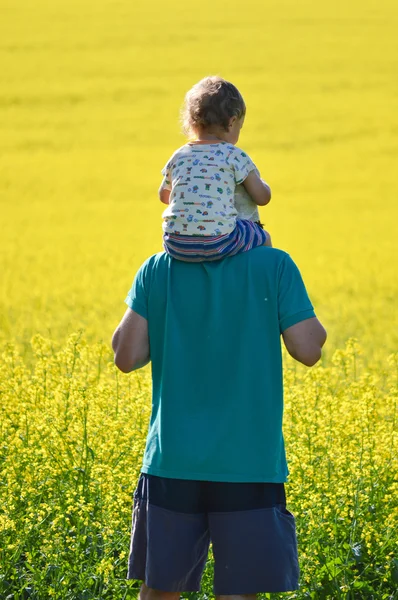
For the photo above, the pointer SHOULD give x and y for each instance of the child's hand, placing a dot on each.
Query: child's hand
(164, 195)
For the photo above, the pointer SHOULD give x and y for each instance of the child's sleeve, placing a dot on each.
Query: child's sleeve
(242, 165)
(166, 172)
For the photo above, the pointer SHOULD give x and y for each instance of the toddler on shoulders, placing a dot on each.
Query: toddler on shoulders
(208, 216)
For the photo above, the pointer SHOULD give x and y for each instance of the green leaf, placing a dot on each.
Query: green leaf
(394, 570)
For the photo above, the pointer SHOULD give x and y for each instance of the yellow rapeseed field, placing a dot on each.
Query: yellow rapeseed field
(89, 100)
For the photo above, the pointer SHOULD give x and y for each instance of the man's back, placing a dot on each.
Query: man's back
(214, 333)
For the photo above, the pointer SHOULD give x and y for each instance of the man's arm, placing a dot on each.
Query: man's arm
(130, 342)
(304, 341)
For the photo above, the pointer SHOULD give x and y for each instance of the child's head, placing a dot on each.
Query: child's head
(213, 106)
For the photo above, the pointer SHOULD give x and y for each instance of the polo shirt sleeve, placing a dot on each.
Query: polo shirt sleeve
(137, 298)
(294, 304)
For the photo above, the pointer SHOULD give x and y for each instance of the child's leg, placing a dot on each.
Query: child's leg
(268, 241)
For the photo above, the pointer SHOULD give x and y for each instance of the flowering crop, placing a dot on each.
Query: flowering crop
(72, 437)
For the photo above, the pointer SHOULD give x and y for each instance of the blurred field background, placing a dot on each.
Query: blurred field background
(89, 100)
(89, 115)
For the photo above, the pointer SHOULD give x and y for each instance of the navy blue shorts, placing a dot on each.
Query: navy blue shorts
(252, 533)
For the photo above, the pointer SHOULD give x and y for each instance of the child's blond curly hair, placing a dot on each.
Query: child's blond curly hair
(211, 101)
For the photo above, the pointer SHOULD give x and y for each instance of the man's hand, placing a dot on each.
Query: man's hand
(130, 342)
(304, 341)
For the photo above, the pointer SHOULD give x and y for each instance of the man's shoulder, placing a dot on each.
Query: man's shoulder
(155, 260)
(264, 262)
(266, 255)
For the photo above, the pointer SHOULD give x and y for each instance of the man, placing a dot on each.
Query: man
(214, 466)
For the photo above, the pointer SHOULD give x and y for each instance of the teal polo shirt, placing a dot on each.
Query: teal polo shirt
(217, 390)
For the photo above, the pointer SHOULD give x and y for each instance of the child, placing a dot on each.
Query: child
(202, 221)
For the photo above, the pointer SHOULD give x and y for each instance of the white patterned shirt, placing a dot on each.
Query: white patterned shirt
(202, 180)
